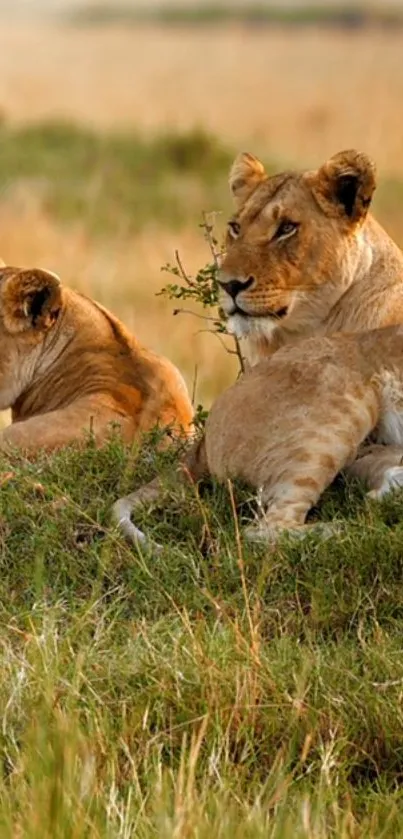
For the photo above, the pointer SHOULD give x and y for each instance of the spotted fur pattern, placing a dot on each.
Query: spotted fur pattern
(309, 409)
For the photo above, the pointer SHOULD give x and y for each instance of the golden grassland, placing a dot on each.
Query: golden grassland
(294, 96)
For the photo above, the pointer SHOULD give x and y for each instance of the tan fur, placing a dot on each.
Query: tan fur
(68, 366)
(309, 408)
(336, 269)
(380, 467)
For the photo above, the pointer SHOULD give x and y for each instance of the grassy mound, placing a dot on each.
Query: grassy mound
(215, 690)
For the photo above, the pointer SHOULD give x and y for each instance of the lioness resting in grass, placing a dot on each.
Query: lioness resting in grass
(304, 257)
(69, 366)
(292, 422)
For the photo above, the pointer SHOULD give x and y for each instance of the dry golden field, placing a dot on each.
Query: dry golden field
(293, 96)
(297, 95)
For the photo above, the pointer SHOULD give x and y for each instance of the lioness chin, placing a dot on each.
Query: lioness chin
(68, 366)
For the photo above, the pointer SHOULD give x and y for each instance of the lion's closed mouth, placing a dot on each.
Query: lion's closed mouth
(271, 313)
(281, 313)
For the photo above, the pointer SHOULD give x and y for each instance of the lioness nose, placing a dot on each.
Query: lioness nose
(233, 287)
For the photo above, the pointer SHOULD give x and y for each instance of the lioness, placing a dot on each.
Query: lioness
(67, 366)
(309, 406)
(304, 257)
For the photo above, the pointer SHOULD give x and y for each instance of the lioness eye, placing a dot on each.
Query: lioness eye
(286, 228)
(234, 228)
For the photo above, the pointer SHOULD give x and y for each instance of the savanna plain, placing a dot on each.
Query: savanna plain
(217, 690)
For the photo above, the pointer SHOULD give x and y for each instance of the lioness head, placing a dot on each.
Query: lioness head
(30, 301)
(292, 235)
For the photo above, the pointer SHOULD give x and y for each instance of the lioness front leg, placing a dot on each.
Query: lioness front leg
(56, 429)
(286, 513)
(288, 502)
(380, 468)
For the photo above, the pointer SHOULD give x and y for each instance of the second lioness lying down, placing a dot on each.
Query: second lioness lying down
(292, 422)
(68, 366)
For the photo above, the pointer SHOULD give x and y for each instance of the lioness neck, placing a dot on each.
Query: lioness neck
(111, 361)
(374, 297)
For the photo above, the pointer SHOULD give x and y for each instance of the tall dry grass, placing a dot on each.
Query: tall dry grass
(297, 95)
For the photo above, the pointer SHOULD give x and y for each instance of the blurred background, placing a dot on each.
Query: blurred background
(119, 121)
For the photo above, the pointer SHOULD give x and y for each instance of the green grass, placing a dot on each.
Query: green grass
(204, 692)
(114, 183)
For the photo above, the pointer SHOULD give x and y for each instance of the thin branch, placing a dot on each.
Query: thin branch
(198, 289)
(208, 234)
(219, 336)
(183, 272)
(239, 354)
(195, 315)
(194, 388)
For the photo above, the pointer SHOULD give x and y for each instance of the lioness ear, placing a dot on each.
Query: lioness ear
(345, 184)
(245, 175)
(29, 299)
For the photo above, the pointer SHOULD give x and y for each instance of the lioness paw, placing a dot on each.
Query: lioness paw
(264, 534)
